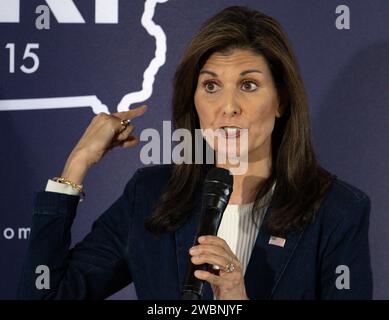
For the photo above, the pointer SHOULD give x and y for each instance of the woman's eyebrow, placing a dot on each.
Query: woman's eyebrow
(213, 74)
(243, 73)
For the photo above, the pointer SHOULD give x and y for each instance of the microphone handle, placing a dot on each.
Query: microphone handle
(193, 288)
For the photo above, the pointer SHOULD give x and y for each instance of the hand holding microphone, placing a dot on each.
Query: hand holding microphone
(228, 283)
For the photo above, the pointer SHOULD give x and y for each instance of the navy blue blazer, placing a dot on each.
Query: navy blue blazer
(118, 250)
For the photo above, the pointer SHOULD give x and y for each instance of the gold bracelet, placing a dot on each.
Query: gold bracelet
(72, 184)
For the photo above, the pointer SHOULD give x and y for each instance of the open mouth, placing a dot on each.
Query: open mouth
(230, 132)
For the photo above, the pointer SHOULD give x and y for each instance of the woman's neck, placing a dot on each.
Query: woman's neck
(246, 185)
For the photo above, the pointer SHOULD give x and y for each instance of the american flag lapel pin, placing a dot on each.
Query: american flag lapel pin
(277, 241)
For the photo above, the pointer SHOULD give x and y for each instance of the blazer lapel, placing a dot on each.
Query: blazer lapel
(268, 263)
(184, 238)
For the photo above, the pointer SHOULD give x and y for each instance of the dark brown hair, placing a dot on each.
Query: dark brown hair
(301, 182)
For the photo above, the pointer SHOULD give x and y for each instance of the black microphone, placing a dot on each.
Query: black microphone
(217, 192)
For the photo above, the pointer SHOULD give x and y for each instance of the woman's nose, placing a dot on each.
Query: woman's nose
(231, 106)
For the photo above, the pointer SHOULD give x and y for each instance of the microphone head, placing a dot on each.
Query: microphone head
(218, 187)
(221, 175)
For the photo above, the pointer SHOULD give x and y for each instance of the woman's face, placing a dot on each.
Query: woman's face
(236, 91)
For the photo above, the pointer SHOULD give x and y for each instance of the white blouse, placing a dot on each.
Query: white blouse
(237, 227)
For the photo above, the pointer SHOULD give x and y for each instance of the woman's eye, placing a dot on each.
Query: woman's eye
(210, 86)
(249, 86)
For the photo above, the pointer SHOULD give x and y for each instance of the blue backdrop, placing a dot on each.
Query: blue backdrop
(63, 61)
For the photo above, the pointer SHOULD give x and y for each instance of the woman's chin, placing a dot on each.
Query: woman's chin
(231, 155)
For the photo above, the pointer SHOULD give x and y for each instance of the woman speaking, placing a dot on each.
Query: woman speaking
(290, 230)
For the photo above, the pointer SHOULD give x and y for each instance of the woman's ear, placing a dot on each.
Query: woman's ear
(283, 101)
(280, 111)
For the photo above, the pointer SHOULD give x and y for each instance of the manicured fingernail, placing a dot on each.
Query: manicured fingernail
(202, 238)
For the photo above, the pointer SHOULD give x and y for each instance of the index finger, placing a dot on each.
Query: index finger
(132, 113)
(215, 240)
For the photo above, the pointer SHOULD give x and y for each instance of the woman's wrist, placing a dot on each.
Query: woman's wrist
(75, 169)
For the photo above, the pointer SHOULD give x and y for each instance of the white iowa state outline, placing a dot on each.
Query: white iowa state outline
(93, 101)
